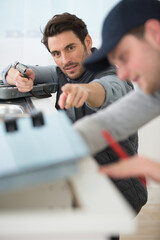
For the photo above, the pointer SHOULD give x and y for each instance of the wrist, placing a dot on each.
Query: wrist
(5, 73)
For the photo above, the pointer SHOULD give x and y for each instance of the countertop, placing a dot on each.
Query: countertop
(99, 209)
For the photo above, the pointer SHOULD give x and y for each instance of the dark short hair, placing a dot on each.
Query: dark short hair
(138, 31)
(124, 16)
(64, 22)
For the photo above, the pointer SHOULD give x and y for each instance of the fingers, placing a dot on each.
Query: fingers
(30, 74)
(24, 84)
(76, 98)
(132, 167)
(73, 96)
(62, 100)
(115, 170)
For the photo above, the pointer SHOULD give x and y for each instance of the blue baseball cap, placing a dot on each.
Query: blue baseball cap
(126, 15)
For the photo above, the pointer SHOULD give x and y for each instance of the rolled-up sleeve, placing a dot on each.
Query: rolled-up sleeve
(44, 74)
(4, 73)
(114, 89)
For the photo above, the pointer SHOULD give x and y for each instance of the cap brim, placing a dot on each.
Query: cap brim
(97, 61)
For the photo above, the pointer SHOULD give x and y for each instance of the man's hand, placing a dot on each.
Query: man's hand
(14, 77)
(133, 167)
(73, 95)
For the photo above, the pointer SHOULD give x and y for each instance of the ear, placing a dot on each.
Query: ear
(88, 42)
(152, 30)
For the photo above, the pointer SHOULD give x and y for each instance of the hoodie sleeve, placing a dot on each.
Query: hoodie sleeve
(122, 119)
(44, 74)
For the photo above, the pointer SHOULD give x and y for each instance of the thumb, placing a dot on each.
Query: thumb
(66, 88)
(30, 73)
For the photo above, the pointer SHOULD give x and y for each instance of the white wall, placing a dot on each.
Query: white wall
(149, 139)
(21, 21)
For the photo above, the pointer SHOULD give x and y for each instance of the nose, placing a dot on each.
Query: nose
(122, 73)
(64, 58)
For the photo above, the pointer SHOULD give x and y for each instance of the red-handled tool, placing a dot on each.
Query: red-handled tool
(119, 151)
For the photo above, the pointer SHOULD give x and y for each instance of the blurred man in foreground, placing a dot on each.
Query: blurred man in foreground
(131, 42)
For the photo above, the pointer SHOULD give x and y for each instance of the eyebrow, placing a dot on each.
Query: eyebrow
(67, 46)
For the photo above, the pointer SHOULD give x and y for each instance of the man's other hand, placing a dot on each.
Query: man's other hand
(14, 77)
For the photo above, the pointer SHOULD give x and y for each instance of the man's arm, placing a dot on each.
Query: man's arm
(97, 94)
(40, 74)
(122, 119)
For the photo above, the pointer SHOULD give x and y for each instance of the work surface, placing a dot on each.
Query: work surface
(99, 211)
(89, 207)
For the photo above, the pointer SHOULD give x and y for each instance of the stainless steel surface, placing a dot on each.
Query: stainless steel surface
(16, 108)
(11, 109)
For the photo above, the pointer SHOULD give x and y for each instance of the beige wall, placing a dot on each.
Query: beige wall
(149, 139)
